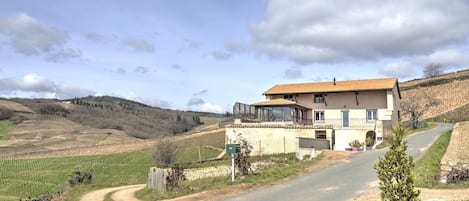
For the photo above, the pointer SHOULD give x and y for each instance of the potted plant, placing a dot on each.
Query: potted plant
(355, 144)
(369, 143)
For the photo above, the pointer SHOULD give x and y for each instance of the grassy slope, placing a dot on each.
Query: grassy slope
(5, 127)
(20, 178)
(427, 169)
(457, 115)
(136, 119)
(286, 165)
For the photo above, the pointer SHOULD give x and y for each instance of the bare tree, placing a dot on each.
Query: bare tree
(165, 154)
(416, 106)
(432, 70)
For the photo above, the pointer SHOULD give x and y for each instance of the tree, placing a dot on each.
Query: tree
(165, 154)
(416, 106)
(394, 170)
(432, 70)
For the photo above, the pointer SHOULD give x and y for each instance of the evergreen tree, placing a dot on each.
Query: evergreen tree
(394, 170)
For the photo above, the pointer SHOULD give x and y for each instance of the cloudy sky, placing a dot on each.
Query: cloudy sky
(207, 54)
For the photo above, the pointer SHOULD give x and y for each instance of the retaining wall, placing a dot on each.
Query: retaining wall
(457, 153)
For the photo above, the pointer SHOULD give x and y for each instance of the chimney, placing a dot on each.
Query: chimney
(334, 80)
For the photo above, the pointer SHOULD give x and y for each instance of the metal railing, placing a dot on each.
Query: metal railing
(354, 123)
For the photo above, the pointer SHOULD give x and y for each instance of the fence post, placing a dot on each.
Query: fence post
(200, 156)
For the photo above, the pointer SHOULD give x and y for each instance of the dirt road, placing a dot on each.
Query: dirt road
(125, 193)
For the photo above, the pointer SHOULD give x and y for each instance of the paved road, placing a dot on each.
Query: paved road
(340, 181)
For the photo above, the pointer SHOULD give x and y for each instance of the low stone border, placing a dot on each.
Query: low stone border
(457, 153)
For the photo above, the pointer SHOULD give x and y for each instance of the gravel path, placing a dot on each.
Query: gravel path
(127, 194)
(99, 195)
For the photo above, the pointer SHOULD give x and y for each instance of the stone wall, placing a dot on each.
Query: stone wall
(457, 153)
(156, 175)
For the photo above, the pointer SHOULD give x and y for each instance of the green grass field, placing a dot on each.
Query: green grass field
(427, 169)
(34, 177)
(5, 127)
(286, 165)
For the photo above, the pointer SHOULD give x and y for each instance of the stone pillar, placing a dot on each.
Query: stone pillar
(156, 179)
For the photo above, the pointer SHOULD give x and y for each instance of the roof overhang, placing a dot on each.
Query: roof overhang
(279, 102)
(333, 87)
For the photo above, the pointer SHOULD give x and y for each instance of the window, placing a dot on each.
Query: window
(321, 135)
(319, 115)
(318, 98)
(371, 115)
(289, 97)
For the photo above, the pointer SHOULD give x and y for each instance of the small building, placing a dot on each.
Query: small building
(337, 112)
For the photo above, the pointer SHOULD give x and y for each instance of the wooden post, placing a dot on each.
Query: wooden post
(284, 144)
(232, 168)
(200, 156)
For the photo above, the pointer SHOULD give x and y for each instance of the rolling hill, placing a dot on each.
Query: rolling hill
(106, 112)
(449, 91)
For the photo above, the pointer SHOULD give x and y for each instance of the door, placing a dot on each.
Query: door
(345, 119)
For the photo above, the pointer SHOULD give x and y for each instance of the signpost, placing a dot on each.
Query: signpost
(233, 149)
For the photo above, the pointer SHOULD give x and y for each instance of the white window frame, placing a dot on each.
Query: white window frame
(318, 118)
(373, 116)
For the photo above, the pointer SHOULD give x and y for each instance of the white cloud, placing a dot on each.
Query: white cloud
(29, 37)
(148, 101)
(220, 55)
(409, 66)
(192, 43)
(237, 46)
(121, 70)
(400, 70)
(63, 55)
(293, 73)
(176, 67)
(94, 37)
(307, 31)
(200, 92)
(209, 107)
(138, 45)
(195, 102)
(41, 87)
(141, 69)
(446, 58)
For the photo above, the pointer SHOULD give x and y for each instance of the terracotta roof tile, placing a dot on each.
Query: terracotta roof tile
(340, 86)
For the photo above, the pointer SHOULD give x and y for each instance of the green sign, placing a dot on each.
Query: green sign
(233, 148)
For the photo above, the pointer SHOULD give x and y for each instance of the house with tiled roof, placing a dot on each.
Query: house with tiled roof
(336, 112)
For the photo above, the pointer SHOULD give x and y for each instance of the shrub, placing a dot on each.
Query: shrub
(165, 154)
(53, 109)
(355, 143)
(394, 170)
(458, 175)
(81, 177)
(5, 113)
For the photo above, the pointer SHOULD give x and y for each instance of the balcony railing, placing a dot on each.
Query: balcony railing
(354, 123)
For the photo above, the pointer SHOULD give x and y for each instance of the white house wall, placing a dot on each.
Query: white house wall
(344, 136)
(271, 140)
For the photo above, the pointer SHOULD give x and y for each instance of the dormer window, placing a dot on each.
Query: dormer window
(318, 98)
